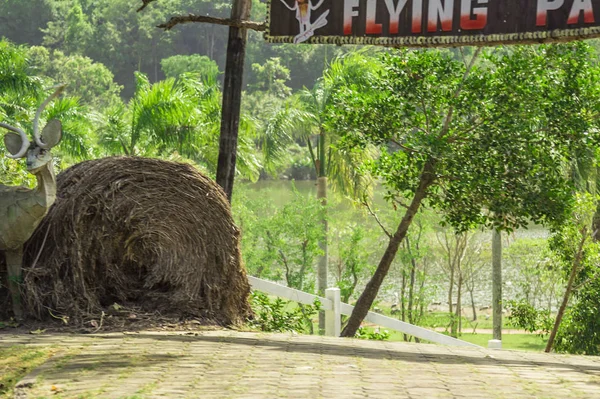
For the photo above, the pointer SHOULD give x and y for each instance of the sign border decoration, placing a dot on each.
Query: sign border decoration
(420, 40)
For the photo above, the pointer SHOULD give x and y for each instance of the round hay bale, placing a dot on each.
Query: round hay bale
(136, 231)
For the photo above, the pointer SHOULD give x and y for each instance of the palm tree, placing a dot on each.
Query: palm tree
(176, 118)
(20, 94)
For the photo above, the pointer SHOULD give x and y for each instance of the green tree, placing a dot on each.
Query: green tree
(271, 77)
(21, 91)
(578, 255)
(78, 30)
(174, 117)
(281, 243)
(333, 164)
(69, 29)
(20, 21)
(485, 143)
(159, 119)
(177, 65)
(91, 81)
(353, 259)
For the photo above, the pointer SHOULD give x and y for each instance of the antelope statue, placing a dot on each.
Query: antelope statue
(22, 209)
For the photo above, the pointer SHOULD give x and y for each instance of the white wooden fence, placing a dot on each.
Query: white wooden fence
(334, 309)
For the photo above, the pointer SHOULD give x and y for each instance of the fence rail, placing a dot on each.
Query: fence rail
(334, 309)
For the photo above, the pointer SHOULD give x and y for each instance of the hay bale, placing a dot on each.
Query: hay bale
(137, 231)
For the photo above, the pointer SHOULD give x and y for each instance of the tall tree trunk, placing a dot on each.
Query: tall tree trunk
(596, 224)
(473, 302)
(411, 286)
(459, 303)
(232, 97)
(403, 302)
(422, 293)
(451, 288)
(321, 169)
(596, 217)
(323, 259)
(497, 283)
(565, 301)
(366, 299)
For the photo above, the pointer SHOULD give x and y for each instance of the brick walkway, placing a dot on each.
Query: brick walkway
(226, 364)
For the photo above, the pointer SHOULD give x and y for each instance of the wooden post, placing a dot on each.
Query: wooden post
(232, 97)
(333, 317)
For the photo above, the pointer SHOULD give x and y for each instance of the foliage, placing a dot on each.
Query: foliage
(174, 116)
(537, 280)
(281, 244)
(304, 118)
(15, 76)
(271, 77)
(578, 256)
(377, 335)
(177, 65)
(21, 92)
(353, 259)
(111, 32)
(579, 329)
(12, 173)
(482, 129)
(523, 315)
(483, 143)
(20, 21)
(276, 316)
(92, 82)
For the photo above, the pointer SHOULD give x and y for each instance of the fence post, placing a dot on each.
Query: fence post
(333, 317)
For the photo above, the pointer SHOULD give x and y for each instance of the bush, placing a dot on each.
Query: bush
(523, 315)
(364, 333)
(272, 316)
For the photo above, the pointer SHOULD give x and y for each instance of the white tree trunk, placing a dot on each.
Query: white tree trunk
(497, 283)
(323, 259)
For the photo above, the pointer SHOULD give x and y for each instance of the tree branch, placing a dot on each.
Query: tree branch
(426, 114)
(402, 204)
(403, 147)
(185, 19)
(146, 3)
(448, 120)
(387, 233)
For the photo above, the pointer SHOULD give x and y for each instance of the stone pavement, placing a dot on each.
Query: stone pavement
(229, 364)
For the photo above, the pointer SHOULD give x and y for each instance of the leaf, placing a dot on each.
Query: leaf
(38, 331)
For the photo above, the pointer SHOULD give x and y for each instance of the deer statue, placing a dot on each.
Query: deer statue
(22, 209)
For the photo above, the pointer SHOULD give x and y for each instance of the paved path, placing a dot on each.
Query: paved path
(226, 364)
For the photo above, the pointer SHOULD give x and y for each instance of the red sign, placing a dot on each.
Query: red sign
(423, 23)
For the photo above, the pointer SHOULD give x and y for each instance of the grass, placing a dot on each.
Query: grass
(526, 342)
(442, 319)
(16, 362)
(431, 320)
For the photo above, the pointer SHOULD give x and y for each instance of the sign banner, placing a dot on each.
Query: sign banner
(431, 23)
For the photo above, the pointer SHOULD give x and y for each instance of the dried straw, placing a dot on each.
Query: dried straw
(154, 234)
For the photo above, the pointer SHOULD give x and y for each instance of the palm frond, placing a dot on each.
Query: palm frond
(347, 172)
(77, 127)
